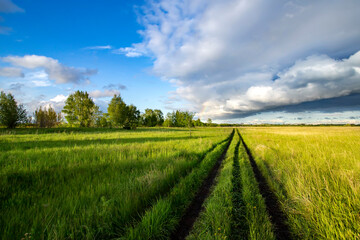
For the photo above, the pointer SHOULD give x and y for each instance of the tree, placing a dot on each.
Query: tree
(209, 122)
(10, 113)
(117, 111)
(179, 119)
(159, 117)
(46, 118)
(122, 115)
(132, 117)
(198, 123)
(149, 118)
(152, 118)
(80, 109)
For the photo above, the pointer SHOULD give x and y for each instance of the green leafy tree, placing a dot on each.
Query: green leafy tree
(80, 109)
(132, 117)
(159, 117)
(198, 123)
(179, 119)
(117, 111)
(152, 118)
(47, 118)
(10, 113)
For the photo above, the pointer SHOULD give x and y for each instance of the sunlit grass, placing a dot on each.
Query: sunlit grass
(315, 172)
(91, 184)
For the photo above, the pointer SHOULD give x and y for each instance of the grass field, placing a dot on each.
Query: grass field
(116, 184)
(315, 173)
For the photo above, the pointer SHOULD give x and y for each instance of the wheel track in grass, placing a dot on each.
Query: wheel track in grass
(138, 214)
(196, 206)
(239, 226)
(277, 216)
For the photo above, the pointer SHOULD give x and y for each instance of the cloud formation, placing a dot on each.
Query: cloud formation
(7, 6)
(241, 56)
(137, 50)
(55, 70)
(99, 47)
(11, 72)
(117, 86)
(103, 94)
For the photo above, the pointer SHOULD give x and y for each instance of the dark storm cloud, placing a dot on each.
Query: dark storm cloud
(241, 57)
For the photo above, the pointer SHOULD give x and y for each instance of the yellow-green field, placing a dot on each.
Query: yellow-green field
(111, 183)
(315, 172)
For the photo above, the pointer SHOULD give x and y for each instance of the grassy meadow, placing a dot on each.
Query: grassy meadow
(91, 184)
(137, 184)
(315, 173)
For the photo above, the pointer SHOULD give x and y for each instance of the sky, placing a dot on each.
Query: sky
(235, 61)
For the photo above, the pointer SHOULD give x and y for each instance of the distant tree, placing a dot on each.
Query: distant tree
(117, 111)
(132, 117)
(46, 118)
(152, 118)
(209, 122)
(169, 122)
(159, 117)
(10, 113)
(198, 123)
(179, 119)
(80, 109)
(149, 118)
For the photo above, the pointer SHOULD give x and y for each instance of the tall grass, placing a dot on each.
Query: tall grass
(215, 221)
(315, 172)
(254, 219)
(235, 209)
(89, 184)
(159, 221)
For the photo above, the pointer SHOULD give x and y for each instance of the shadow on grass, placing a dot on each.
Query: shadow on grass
(49, 183)
(8, 146)
(23, 131)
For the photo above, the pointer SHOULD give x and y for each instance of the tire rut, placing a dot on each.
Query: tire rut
(192, 212)
(277, 216)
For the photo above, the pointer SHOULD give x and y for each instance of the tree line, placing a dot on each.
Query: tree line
(81, 111)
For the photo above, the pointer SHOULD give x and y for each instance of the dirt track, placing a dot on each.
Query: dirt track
(277, 217)
(192, 212)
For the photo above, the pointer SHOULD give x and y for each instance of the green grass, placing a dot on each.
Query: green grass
(253, 208)
(71, 183)
(161, 220)
(315, 173)
(91, 184)
(216, 219)
(235, 208)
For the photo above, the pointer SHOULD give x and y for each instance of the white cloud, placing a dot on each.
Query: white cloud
(11, 72)
(136, 51)
(99, 47)
(39, 83)
(39, 75)
(223, 54)
(103, 94)
(39, 78)
(59, 98)
(55, 70)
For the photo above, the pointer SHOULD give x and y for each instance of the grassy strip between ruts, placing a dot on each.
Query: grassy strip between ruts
(253, 208)
(215, 221)
(159, 221)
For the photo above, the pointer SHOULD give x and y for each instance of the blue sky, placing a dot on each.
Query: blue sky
(232, 60)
